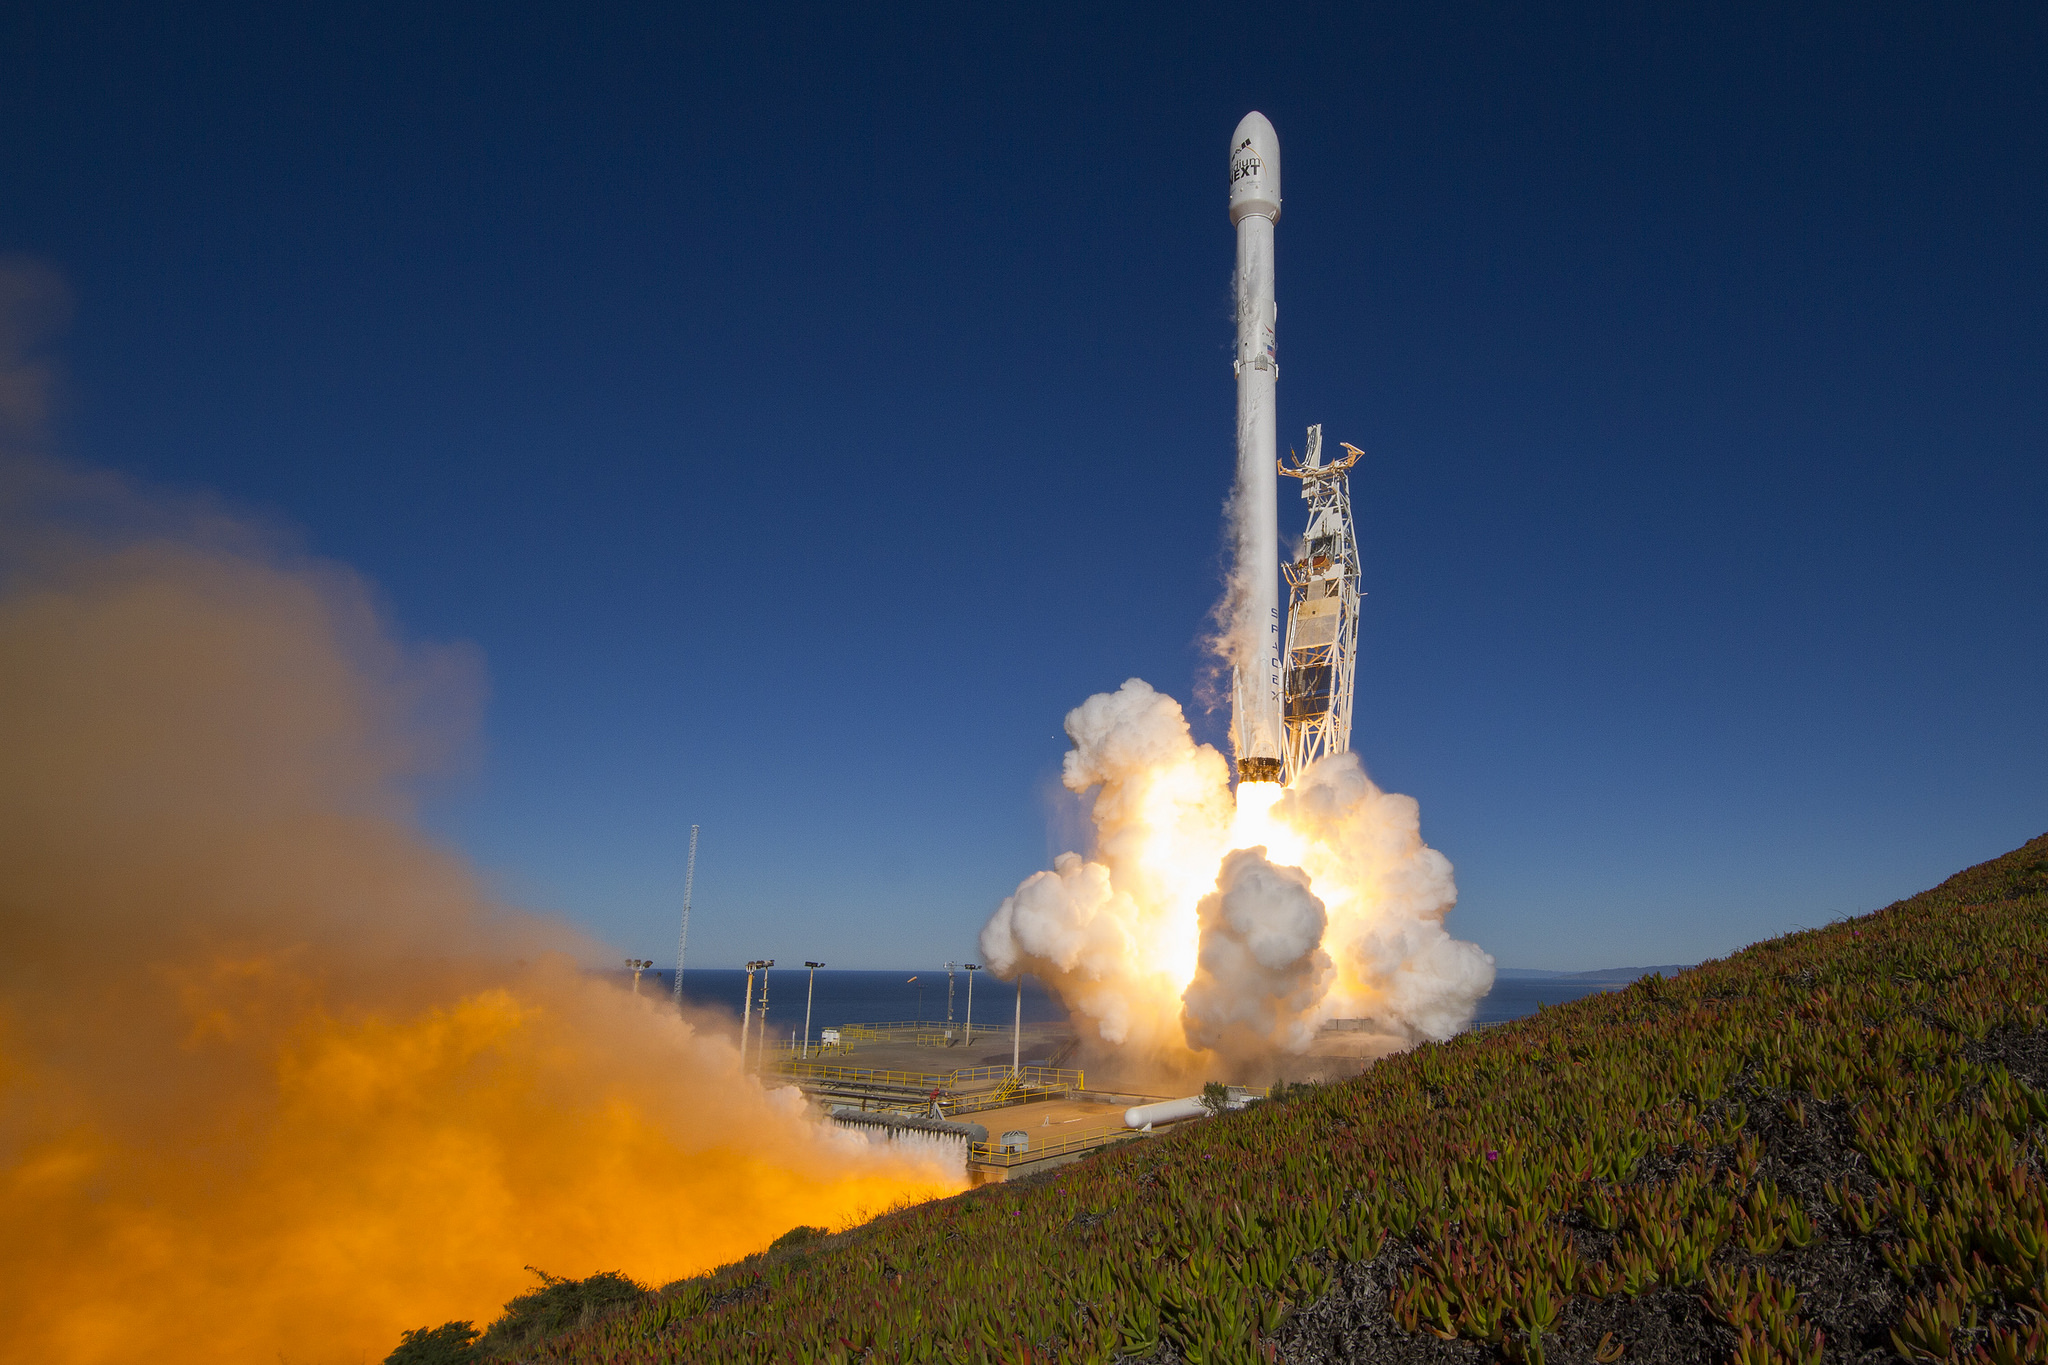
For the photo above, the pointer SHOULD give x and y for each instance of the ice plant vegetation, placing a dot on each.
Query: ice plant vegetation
(1825, 1145)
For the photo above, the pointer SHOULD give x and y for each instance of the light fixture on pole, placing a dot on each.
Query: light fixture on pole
(809, 992)
(638, 965)
(972, 968)
(746, 1013)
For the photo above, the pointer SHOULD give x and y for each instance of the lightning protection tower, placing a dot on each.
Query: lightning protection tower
(1322, 614)
(683, 934)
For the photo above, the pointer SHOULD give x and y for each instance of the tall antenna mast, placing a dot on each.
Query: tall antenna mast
(683, 934)
(1322, 613)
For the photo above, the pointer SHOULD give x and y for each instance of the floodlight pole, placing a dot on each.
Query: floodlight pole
(972, 968)
(683, 933)
(761, 965)
(809, 992)
(950, 969)
(1017, 1029)
(746, 1015)
(639, 965)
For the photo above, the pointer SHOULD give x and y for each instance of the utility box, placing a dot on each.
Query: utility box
(1016, 1140)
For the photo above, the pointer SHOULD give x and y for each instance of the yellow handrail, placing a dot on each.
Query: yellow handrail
(991, 1153)
(981, 1030)
(1028, 1078)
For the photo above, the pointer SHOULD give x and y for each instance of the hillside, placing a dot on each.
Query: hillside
(1825, 1147)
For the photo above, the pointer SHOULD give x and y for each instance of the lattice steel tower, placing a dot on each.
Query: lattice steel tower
(1322, 614)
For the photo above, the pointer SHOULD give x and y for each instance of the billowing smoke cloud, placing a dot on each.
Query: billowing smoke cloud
(1109, 933)
(1388, 894)
(1262, 971)
(1229, 926)
(277, 1079)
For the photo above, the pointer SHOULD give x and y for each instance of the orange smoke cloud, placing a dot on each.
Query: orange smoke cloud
(276, 1079)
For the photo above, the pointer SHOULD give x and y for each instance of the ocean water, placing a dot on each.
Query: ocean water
(856, 997)
(1516, 998)
(860, 997)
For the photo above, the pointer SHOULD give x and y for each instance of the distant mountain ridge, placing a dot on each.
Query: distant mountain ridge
(1605, 974)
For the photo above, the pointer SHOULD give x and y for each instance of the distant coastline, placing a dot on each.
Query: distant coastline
(1622, 974)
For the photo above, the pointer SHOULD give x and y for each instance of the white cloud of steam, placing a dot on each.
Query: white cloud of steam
(1262, 970)
(1061, 923)
(1388, 894)
(1267, 920)
(1101, 931)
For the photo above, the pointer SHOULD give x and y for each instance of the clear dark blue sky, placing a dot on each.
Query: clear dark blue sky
(802, 408)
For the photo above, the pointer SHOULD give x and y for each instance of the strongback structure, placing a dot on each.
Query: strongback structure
(1321, 659)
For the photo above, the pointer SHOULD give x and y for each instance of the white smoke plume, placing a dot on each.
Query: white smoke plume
(1212, 925)
(1262, 971)
(1238, 644)
(1388, 893)
(1107, 933)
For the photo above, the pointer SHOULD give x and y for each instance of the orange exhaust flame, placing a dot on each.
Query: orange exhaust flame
(276, 1079)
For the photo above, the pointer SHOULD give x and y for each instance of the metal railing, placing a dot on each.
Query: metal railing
(929, 1037)
(884, 1032)
(1030, 1077)
(993, 1154)
(782, 1047)
(1046, 1078)
(925, 1034)
(998, 1098)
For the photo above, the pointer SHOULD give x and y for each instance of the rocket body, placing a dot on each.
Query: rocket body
(1256, 646)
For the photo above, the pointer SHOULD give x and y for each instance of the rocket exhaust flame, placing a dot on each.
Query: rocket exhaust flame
(276, 1079)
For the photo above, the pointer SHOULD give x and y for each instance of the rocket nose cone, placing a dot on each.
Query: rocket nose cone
(1256, 124)
(1254, 168)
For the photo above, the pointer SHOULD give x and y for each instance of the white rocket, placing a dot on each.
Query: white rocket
(1254, 209)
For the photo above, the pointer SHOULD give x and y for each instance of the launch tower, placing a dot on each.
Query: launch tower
(1322, 613)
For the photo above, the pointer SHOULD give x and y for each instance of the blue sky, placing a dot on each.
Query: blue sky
(801, 409)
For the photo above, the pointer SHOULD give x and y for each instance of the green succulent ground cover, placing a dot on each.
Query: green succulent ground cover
(1829, 1146)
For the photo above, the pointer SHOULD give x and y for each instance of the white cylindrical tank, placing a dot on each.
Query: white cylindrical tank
(1254, 209)
(1165, 1111)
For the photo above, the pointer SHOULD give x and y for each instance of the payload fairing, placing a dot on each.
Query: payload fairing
(1254, 210)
